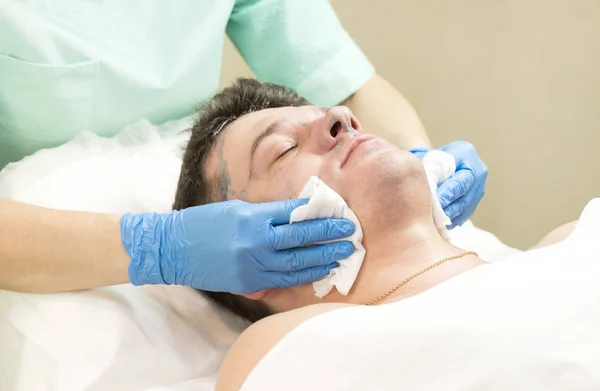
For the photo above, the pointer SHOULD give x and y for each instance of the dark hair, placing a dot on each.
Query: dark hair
(194, 188)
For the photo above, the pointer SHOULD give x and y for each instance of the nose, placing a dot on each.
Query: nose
(337, 125)
(340, 119)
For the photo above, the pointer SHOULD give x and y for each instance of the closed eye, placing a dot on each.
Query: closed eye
(286, 152)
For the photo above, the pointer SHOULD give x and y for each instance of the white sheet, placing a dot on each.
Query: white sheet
(118, 338)
(527, 323)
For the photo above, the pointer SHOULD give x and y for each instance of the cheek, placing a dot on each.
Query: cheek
(290, 178)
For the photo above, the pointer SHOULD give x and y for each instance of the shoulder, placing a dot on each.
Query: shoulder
(258, 339)
(556, 236)
(585, 229)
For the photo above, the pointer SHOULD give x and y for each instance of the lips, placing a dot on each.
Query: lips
(352, 145)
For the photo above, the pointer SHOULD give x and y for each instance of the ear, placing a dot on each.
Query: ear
(254, 296)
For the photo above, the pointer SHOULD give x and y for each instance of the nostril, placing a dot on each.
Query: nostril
(335, 129)
(354, 123)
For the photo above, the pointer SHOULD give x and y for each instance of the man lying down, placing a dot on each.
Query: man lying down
(530, 322)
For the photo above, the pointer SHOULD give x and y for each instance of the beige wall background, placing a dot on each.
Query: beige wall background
(519, 79)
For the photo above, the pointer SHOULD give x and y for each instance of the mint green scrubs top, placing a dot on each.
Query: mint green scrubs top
(72, 65)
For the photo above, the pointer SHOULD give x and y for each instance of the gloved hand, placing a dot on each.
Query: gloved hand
(461, 193)
(232, 246)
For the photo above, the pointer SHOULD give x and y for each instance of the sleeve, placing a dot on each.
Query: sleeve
(300, 44)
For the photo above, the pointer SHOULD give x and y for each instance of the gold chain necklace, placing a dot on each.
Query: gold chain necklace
(428, 268)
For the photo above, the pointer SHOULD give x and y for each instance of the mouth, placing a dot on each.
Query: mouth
(353, 144)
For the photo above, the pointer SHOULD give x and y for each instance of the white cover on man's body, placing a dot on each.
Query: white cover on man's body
(528, 323)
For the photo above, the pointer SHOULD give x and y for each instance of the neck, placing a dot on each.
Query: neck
(392, 256)
(397, 254)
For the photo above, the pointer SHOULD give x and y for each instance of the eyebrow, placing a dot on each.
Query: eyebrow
(269, 130)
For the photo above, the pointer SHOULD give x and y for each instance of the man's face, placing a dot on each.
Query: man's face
(269, 155)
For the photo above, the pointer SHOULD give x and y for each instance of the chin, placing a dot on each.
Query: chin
(381, 167)
(382, 181)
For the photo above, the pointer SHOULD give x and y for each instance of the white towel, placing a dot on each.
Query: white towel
(439, 166)
(325, 203)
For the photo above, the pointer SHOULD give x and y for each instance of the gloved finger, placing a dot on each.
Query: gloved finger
(456, 186)
(419, 151)
(299, 234)
(456, 209)
(311, 256)
(472, 199)
(420, 148)
(305, 276)
(279, 211)
(461, 218)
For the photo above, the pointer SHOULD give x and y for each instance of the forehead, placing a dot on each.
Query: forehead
(233, 144)
(248, 127)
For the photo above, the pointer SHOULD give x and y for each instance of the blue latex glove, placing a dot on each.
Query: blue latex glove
(460, 194)
(232, 246)
(419, 152)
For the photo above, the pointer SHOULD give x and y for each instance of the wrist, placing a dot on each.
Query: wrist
(141, 235)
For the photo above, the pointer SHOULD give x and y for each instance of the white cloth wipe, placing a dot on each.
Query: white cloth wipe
(326, 203)
(439, 166)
